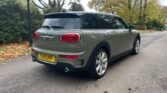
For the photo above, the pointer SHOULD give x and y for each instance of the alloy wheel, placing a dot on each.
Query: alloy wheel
(101, 63)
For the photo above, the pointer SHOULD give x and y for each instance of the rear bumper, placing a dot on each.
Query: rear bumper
(62, 65)
(78, 64)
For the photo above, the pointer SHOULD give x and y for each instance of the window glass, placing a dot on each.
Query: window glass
(120, 23)
(97, 21)
(109, 22)
(106, 22)
(102, 21)
(89, 21)
(64, 23)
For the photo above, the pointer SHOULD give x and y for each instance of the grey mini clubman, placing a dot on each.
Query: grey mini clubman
(75, 41)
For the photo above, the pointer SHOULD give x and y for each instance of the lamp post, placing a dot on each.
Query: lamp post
(29, 22)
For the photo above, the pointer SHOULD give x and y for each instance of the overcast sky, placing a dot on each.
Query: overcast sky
(85, 4)
(163, 2)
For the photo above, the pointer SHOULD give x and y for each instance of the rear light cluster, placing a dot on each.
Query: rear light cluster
(35, 35)
(70, 37)
(71, 57)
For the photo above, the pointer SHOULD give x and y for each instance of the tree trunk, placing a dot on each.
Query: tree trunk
(140, 12)
(144, 14)
(130, 11)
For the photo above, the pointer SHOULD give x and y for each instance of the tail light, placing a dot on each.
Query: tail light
(35, 35)
(70, 37)
(71, 57)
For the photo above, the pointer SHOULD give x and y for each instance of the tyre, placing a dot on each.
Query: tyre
(136, 47)
(99, 64)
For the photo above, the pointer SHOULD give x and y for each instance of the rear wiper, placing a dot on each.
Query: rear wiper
(46, 27)
(52, 27)
(57, 27)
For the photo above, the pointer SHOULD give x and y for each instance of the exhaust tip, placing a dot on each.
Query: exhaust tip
(66, 69)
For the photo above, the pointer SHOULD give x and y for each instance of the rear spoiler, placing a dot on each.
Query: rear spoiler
(62, 15)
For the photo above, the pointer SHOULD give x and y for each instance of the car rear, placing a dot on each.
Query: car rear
(59, 41)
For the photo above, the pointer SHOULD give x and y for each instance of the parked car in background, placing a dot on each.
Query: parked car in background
(83, 41)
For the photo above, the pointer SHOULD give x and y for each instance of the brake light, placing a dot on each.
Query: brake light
(71, 57)
(70, 37)
(35, 35)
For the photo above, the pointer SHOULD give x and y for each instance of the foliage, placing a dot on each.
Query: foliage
(13, 21)
(137, 12)
(154, 24)
(57, 5)
(75, 6)
(12, 50)
(51, 6)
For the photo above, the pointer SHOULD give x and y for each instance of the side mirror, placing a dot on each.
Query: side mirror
(131, 27)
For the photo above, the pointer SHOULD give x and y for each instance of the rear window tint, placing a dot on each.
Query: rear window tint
(100, 21)
(62, 23)
(97, 21)
(63, 15)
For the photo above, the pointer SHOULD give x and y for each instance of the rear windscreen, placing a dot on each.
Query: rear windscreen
(62, 20)
(63, 23)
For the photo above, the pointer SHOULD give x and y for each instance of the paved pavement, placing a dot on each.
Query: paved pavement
(144, 73)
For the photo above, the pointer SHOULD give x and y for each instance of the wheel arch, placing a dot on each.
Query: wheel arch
(102, 45)
(138, 37)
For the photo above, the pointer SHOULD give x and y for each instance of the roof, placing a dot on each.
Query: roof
(79, 13)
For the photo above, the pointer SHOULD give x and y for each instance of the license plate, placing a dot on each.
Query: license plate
(47, 58)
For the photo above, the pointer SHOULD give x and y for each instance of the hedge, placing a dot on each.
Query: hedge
(13, 21)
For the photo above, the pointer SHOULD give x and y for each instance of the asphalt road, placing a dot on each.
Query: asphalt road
(144, 73)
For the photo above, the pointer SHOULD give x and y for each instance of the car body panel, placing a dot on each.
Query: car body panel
(48, 42)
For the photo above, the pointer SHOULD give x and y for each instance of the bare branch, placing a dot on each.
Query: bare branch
(37, 5)
(54, 2)
(57, 3)
(135, 3)
(40, 1)
(129, 4)
(44, 2)
(50, 3)
(62, 3)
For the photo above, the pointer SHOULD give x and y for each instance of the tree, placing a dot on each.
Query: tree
(145, 11)
(133, 11)
(13, 21)
(106, 5)
(121, 7)
(75, 6)
(51, 6)
(164, 11)
(142, 13)
(131, 8)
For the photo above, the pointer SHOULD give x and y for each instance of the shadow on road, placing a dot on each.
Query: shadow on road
(76, 76)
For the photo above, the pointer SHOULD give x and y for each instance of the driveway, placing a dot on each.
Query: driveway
(143, 73)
